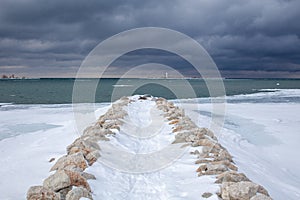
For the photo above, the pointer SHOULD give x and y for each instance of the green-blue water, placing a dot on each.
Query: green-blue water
(59, 91)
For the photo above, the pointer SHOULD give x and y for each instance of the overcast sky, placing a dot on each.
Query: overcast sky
(255, 38)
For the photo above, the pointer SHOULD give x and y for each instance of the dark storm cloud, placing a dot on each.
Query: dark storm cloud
(39, 36)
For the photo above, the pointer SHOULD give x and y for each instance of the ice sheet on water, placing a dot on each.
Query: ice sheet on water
(267, 96)
(17, 129)
(248, 130)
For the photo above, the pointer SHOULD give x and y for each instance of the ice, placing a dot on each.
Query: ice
(264, 140)
(261, 131)
(25, 157)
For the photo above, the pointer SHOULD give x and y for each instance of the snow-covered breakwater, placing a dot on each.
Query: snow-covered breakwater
(208, 158)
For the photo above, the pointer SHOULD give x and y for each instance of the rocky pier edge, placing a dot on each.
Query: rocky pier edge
(69, 181)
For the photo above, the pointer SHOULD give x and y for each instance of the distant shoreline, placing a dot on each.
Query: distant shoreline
(186, 78)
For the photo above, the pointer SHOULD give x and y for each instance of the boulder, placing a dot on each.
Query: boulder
(261, 197)
(262, 190)
(174, 122)
(77, 193)
(57, 181)
(206, 194)
(87, 176)
(63, 179)
(223, 155)
(231, 176)
(208, 132)
(63, 192)
(77, 180)
(204, 142)
(83, 145)
(243, 190)
(76, 160)
(211, 169)
(112, 124)
(41, 193)
(92, 157)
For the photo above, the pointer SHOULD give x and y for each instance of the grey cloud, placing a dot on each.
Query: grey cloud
(241, 36)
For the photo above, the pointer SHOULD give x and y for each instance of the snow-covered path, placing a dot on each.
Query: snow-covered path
(177, 180)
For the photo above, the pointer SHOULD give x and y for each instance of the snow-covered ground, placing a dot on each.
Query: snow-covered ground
(261, 131)
(145, 132)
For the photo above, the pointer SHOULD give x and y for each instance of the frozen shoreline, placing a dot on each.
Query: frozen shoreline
(276, 168)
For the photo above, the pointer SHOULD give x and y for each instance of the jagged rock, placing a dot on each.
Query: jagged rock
(204, 142)
(84, 146)
(216, 149)
(191, 138)
(95, 133)
(76, 160)
(210, 169)
(262, 190)
(78, 192)
(223, 162)
(96, 136)
(200, 161)
(226, 163)
(92, 157)
(57, 181)
(260, 197)
(112, 124)
(243, 190)
(73, 168)
(208, 132)
(223, 155)
(77, 180)
(206, 194)
(231, 176)
(65, 178)
(174, 122)
(63, 192)
(181, 137)
(41, 193)
(177, 129)
(87, 176)
(160, 99)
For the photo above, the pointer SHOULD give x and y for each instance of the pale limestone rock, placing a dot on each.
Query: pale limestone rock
(41, 193)
(76, 160)
(57, 181)
(87, 176)
(95, 133)
(77, 180)
(238, 191)
(92, 157)
(65, 178)
(83, 145)
(204, 142)
(261, 197)
(208, 132)
(78, 192)
(262, 190)
(223, 155)
(231, 176)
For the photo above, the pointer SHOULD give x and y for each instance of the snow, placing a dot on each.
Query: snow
(25, 157)
(261, 131)
(119, 175)
(263, 137)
